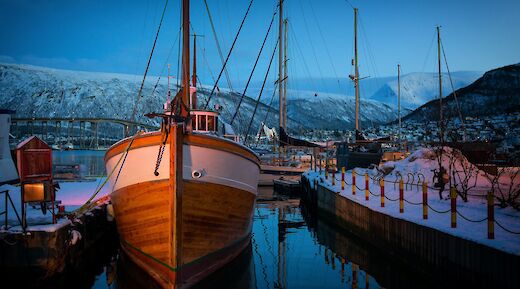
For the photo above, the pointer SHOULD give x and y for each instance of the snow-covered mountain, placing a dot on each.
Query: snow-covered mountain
(419, 88)
(43, 92)
(496, 92)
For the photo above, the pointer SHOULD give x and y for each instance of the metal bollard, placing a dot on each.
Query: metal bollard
(401, 196)
(453, 196)
(334, 177)
(366, 186)
(382, 185)
(353, 182)
(342, 178)
(491, 215)
(425, 200)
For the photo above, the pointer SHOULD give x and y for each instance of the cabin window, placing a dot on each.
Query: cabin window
(211, 123)
(201, 122)
(194, 123)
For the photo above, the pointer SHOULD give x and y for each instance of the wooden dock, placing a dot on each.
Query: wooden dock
(44, 251)
(432, 250)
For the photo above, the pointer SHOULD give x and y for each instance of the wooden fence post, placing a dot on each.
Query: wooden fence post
(342, 178)
(491, 215)
(425, 200)
(353, 182)
(401, 196)
(366, 186)
(382, 185)
(453, 196)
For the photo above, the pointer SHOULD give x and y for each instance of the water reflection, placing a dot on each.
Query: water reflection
(290, 248)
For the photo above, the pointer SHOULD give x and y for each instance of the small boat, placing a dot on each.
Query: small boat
(183, 196)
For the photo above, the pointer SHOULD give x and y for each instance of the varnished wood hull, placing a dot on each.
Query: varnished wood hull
(215, 219)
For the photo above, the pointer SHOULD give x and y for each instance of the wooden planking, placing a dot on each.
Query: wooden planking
(202, 140)
(214, 216)
(143, 216)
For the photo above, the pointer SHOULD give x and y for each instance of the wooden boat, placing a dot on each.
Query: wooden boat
(183, 196)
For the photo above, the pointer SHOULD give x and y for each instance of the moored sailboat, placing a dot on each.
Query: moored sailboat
(183, 196)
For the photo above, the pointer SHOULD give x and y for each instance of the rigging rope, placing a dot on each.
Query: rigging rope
(261, 91)
(291, 31)
(165, 63)
(325, 44)
(254, 67)
(134, 111)
(229, 54)
(312, 46)
(454, 92)
(217, 42)
(121, 158)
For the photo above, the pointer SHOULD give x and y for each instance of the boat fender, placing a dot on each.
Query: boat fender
(197, 174)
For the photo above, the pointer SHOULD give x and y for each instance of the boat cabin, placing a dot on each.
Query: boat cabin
(204, 121)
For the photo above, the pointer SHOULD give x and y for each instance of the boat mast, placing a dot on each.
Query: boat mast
(175, 138)
(356, 68)
(285, 73)
(441, 133)
(185, 58)
(194, 75)
(280, 64)
(399, 98)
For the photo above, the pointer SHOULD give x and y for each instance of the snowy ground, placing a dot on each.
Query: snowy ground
(420, 161)
(71, 194)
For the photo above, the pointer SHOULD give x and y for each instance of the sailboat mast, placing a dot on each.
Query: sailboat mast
(280, 63)
(176, 148)
(441, 134)
(356, 67)
(185, 57)
(399, 97)
(285, 74)
(194, 75)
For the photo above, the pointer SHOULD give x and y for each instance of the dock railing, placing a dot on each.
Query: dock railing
(410, 183)
(9, 201)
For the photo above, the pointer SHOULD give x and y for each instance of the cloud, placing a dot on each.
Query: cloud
(7, 59)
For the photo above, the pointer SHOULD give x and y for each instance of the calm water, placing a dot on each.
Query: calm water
(290, 248)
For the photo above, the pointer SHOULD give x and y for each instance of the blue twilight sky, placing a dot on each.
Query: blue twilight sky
(117, 35)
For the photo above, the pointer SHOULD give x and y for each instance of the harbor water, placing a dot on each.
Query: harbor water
(290, 247)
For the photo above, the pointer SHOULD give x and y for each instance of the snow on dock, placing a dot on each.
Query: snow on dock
(471, 215)
(71, 194)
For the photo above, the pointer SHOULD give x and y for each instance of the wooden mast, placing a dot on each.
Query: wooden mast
(194, 75)
(356, 67)
(280, 64)
(441, 133)
(285, 73)
(399, 98)
(185, 57)
(176, 147)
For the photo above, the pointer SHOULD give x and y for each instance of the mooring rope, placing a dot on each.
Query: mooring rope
(123, 155)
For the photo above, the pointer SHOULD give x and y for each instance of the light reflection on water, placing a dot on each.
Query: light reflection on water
(290, 248)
